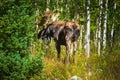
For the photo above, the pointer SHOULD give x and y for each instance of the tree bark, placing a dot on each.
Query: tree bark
(67, 9)
(113, 25)
(61, 8)
(99, 26)
(87, 36)
(48, 3)
(105, 26)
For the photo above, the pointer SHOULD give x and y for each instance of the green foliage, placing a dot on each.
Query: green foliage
(20, 56)
(105, 67)
(17, 31)
(111, 70)
(93, 28)
(16, 28)
(14, 67)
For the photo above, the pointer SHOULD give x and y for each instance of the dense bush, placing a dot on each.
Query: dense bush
(14, 67)
(17, 31)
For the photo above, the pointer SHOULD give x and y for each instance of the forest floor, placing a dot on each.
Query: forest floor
(57, 70)
(94, 68)
(104, 67)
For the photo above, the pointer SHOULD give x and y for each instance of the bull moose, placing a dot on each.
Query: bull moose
(64, 33)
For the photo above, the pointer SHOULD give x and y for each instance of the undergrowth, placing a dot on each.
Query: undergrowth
(104, 67)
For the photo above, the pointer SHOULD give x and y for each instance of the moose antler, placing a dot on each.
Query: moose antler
(44, 19)
(52, 20)
(54, 17)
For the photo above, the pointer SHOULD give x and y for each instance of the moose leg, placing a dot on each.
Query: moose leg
(74, 51)
(58, 50)
(68, 43)
(46, 45)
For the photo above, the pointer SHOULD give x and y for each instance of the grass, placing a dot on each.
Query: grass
(57, 70)
(104, 67)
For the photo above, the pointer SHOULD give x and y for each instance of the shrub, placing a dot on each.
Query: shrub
(14, 67)
(17, 31)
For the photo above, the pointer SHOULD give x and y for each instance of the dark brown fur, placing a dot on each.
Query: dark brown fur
(64, 33)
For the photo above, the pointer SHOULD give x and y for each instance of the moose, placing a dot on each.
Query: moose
(64, 33)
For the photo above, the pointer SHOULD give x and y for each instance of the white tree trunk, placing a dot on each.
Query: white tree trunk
(48, 3)
(67, 9)
(80, 40)
(87, 36)
(61, 8)
(105, 26)
(112, 30)
(96, 36)
(37, 14)
(99, 26)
